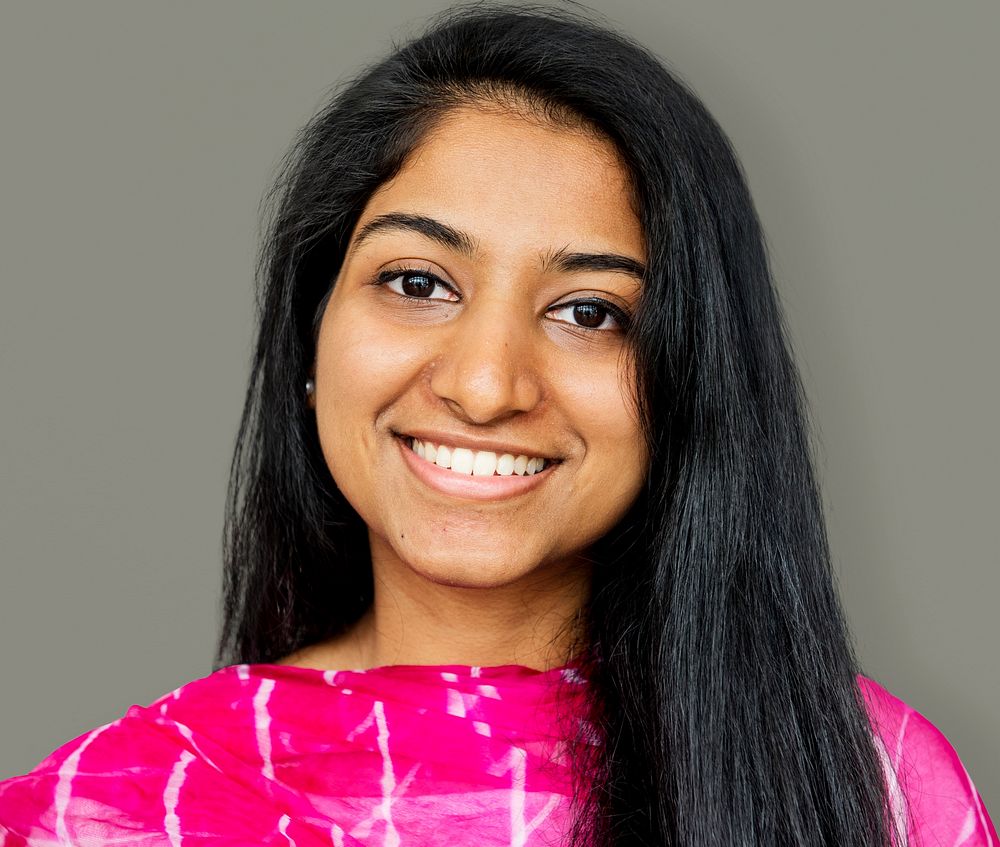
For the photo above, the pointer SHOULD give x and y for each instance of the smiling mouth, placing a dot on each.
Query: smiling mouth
(466, 462)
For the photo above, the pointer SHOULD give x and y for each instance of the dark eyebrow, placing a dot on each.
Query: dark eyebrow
(463, 243)
(428, 227)
(567, 262)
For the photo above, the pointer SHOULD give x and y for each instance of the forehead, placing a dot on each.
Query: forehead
(517, 184)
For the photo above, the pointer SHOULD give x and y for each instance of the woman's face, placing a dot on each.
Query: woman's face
(472, 314)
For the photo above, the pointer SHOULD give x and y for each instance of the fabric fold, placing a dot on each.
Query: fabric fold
(261, 754)
(398, 756)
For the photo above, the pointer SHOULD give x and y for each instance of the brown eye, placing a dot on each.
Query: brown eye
(417, 285)
(589, 315)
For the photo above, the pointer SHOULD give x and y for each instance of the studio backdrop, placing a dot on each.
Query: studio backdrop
(138, 140)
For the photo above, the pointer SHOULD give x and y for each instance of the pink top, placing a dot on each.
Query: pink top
(397, 755)
(932, 793)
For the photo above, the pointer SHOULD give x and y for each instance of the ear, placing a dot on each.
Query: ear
(311, 395)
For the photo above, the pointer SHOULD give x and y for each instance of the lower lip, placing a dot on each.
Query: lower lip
(493, 487)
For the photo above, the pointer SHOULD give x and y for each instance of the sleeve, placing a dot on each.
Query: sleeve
(932, 794)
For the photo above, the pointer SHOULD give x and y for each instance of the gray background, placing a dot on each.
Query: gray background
(137, 141)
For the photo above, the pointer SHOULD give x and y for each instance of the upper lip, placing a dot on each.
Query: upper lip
(471, 442)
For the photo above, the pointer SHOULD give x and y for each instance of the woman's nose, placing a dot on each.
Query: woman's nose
(487, 368)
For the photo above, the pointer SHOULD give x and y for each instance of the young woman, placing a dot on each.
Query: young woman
(524, 543)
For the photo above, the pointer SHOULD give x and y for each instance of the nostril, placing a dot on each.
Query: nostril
(485, 382)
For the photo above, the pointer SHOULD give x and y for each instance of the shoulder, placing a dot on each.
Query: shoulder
(227, 699)
(929, 786)
(124, 778)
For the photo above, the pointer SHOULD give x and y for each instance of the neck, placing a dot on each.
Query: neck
(415, 621)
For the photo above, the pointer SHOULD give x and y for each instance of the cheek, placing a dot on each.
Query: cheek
(360, 370)
(601, 401)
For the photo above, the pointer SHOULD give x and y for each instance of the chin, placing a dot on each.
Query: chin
(486, 571)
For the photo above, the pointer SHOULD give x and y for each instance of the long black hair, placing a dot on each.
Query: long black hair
(723, 681)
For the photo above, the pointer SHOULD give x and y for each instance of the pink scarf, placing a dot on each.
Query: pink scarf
(270, 754)
(398, 755)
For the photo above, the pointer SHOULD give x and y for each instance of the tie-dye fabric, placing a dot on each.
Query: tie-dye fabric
(393, 756)
(270, 754)
(933, 797)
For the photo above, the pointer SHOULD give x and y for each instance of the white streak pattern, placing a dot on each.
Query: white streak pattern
(895, 794)
(186, 732)
(338, 836)
(540, 817)
(362, 727)
(283, 822)
(262, 725)
(171, 796)
(364, 827)
(977, 806)
(518, 759)
(64, 786)
(968, 827)
(899, 740)
(456, 705)
(388, 777)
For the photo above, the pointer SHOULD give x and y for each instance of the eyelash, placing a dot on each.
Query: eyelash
(619, 315)
(388, 276)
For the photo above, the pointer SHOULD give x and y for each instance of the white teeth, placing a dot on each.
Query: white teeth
(461, 460)
(476, 462)
(485, 463)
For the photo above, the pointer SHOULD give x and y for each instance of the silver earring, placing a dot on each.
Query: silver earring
(310, 386)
